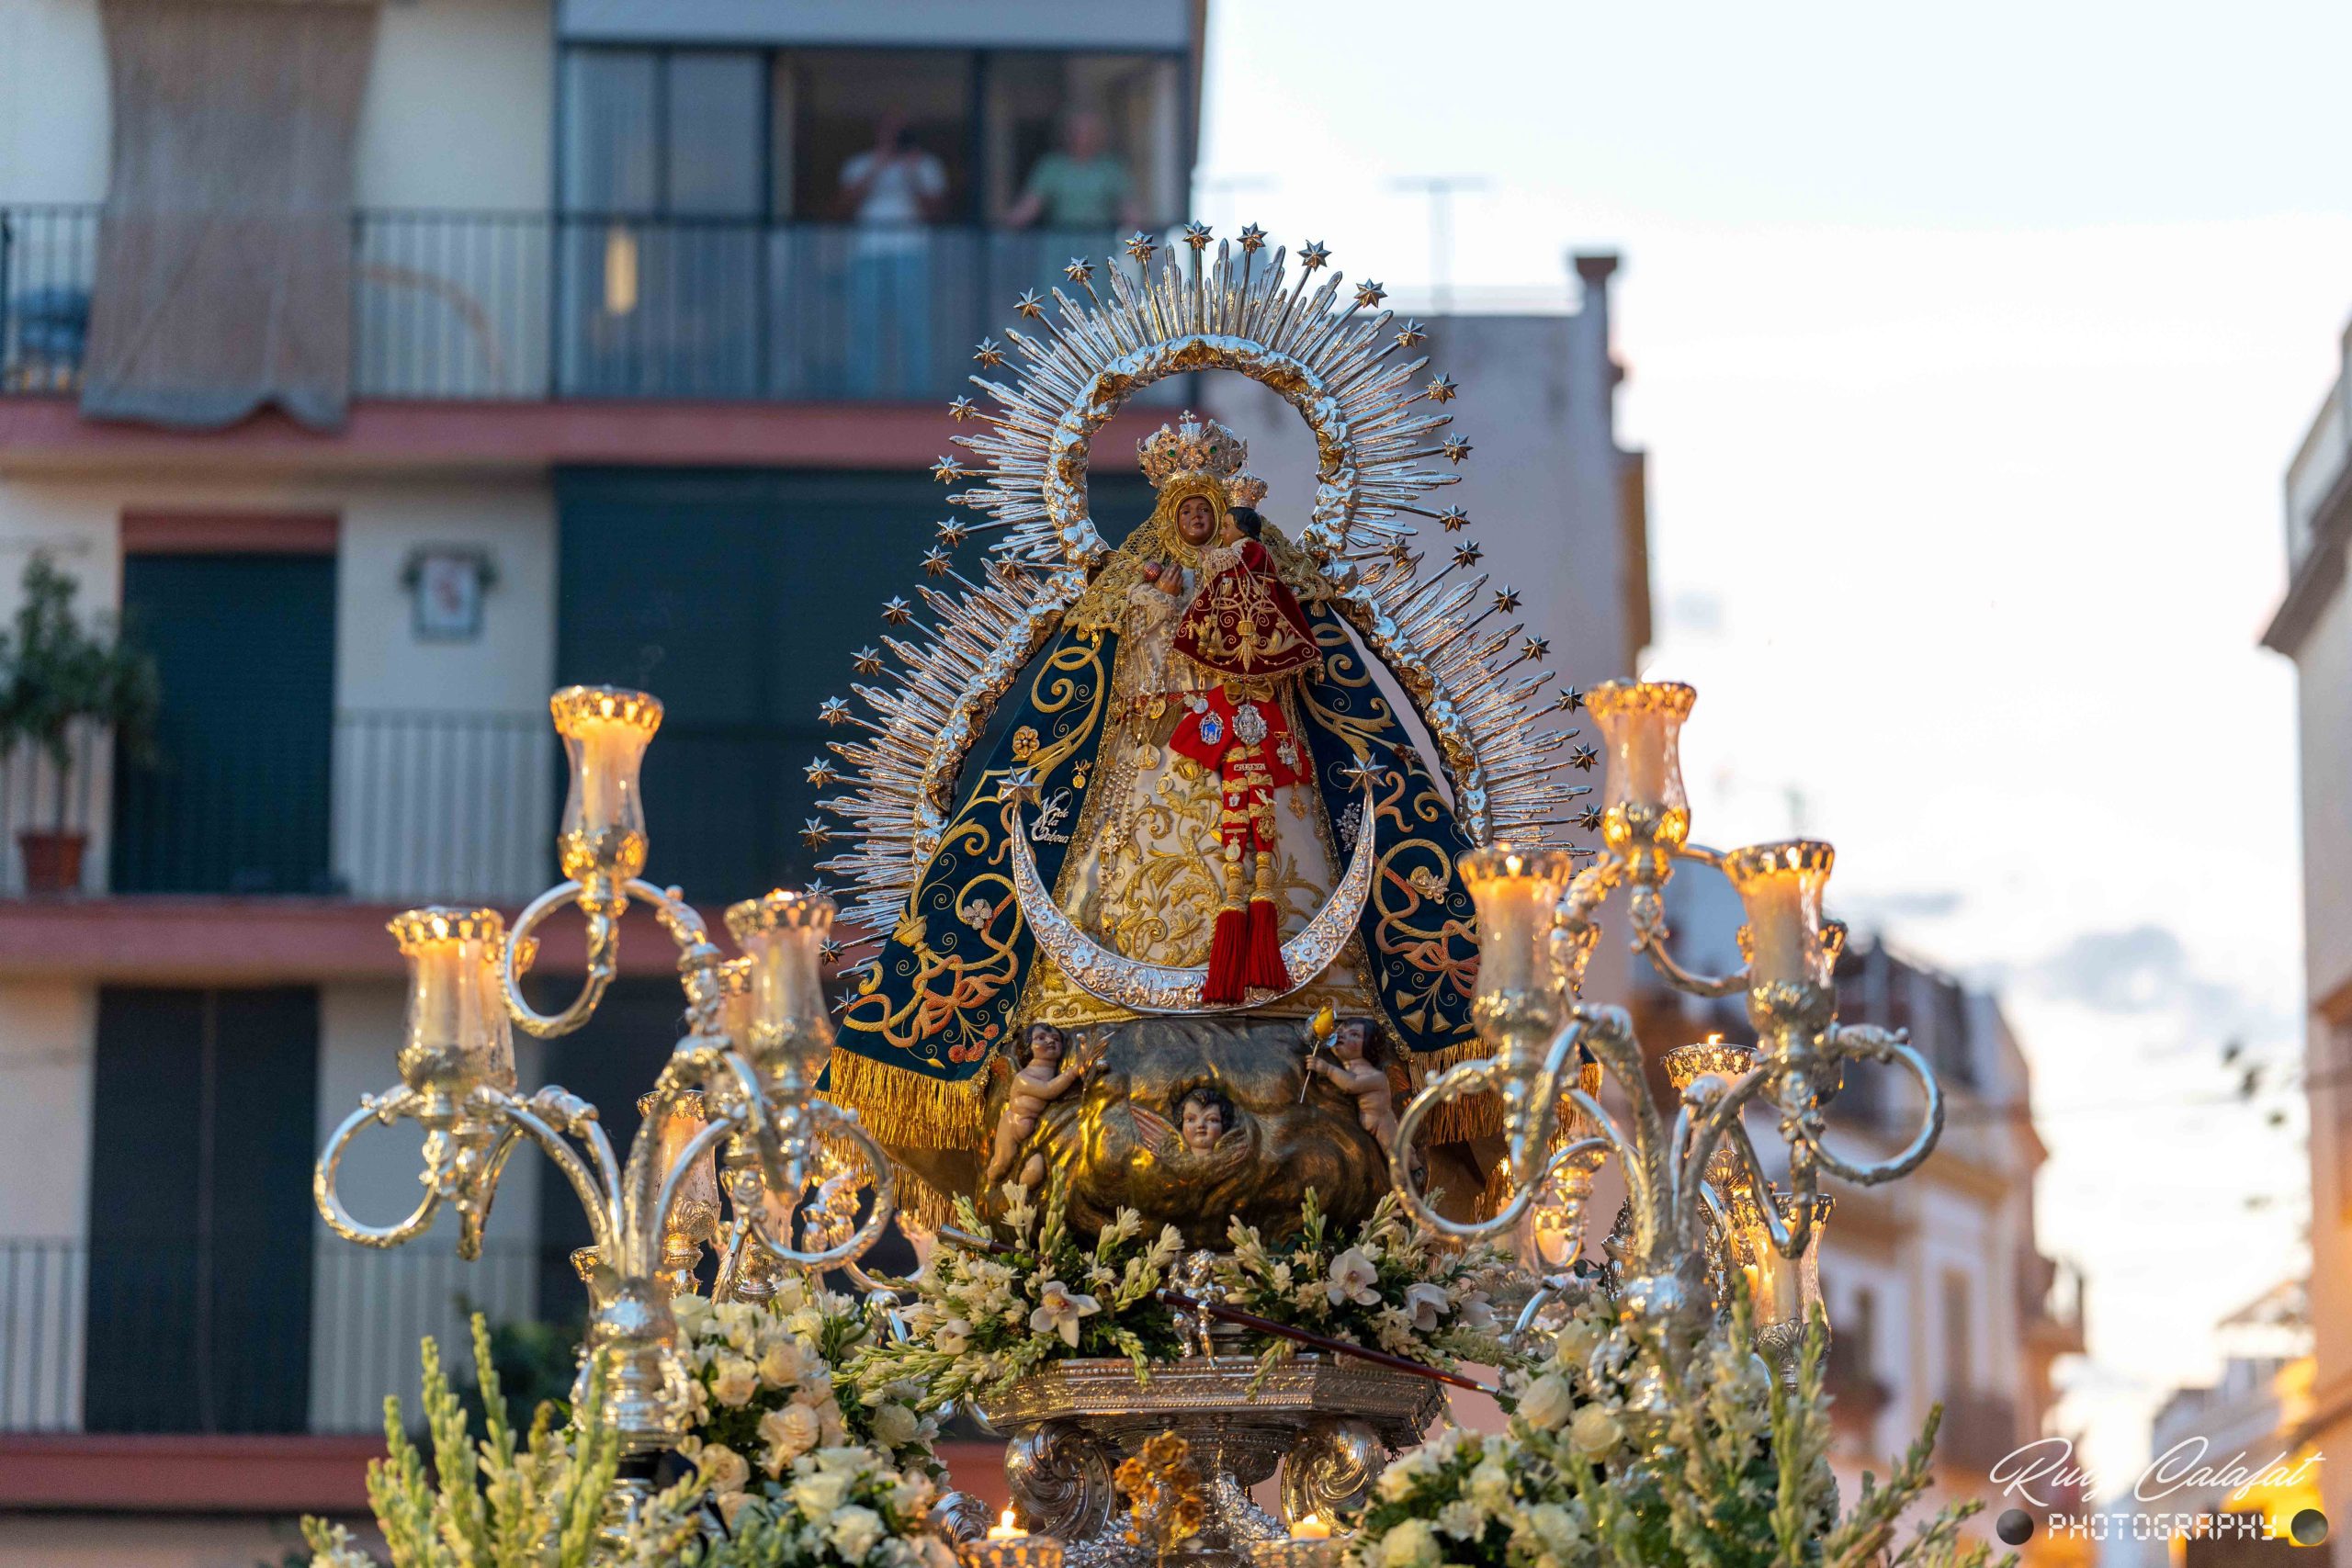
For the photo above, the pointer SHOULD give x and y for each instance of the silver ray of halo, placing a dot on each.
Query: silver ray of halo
(1079, 365)
(1139, 987)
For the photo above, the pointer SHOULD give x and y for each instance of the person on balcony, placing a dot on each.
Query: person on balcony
(891, 191)
(1084, 189)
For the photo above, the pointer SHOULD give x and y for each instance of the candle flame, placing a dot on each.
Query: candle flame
(1311, 1528)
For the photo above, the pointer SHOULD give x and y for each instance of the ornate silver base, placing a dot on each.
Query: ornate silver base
(1330, 1425)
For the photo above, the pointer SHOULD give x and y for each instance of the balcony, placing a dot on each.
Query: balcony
(516, 308)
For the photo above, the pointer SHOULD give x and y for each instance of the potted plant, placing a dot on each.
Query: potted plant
(56, 673)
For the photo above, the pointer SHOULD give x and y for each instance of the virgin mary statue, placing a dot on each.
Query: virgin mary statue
(1205, 749)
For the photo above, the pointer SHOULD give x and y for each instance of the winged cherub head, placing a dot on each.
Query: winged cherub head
(1202, 1116)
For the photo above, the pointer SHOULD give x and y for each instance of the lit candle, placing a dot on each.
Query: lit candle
(1641, 723)
(456, 1036)
(1781, 887)
(1010, 1546)
(606, 731)
(1515, 891)
(783, 936)
(1311, 1528)
(1006, 1529)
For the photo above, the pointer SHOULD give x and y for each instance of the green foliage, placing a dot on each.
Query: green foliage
(1622, 1455)
(507, 1501)
(55, 671)
(535, 1363)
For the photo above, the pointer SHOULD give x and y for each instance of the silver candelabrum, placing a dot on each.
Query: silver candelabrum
(734, 1134)
(1697, 1197)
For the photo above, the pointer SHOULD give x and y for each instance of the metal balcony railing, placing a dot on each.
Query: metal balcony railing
(232, 1335)
(503, 306)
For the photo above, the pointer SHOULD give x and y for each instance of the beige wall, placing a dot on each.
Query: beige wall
(46, 1034)
(458, 113)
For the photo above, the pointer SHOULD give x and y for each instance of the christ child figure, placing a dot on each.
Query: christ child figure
(1356, 1076)
(1041, 1080)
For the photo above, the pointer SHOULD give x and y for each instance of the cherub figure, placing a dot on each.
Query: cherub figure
(1205, 1139)
(1041, 1080)
(1364, 1080)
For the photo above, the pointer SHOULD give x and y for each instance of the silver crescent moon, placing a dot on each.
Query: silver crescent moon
(1144, 987)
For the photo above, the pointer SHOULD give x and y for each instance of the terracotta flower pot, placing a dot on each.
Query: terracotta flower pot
(52, 860)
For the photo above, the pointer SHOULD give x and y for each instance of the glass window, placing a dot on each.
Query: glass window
(1082, 142)
(609, 142)
(715, 135)
(835, 107)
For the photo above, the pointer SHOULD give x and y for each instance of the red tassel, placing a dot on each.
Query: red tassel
(1228, 957)
(1263, 963)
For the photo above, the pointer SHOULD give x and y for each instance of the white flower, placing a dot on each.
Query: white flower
(853, 1532)
(1547, 1402)
(953, 1337)
(1555, 1526)
(1412, 1544)
(1489, 1487)
(731, 1503)
(1059, 1312)
(734, 1381)
(1476, 1311)
(1353, 1278)
(788, 1433)
(819, 1492)
(1394, 1482)
(1593, 1433)
(896, 1426)
(723, 1470)
(1428, 1304)
(783, 1363)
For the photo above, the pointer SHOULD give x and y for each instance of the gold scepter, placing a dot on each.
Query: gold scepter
(1319, 1028)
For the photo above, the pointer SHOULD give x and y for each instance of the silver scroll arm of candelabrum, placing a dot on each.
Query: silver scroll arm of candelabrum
(738, 1092)
(1698, 1197)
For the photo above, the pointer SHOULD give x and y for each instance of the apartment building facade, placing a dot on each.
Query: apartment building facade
(2313, 626)
(515, 343)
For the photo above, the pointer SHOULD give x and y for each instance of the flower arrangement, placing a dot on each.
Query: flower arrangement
(982, 1320)
(831, 1508)
(1165, 1504)
(769, 1388)
(1609, 1463)
(1392, 1286)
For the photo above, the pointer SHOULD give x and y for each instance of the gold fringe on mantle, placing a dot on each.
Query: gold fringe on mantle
(907, 1109)
(1465, 1117)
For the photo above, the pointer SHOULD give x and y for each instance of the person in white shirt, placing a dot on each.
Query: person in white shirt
(891, 191)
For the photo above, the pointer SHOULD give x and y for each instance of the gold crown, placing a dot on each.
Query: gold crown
(1245, 490)
(1189, 446)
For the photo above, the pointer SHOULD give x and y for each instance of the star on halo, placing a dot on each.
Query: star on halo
(1455, 448)
(1197, 235)
(1369, 295)
(1467, 555)
(1535, 647)
(1588, 818)
(1079, 270)
(829, 951)
(1570, 699)
(1313, 254)
(832, 710)
(1454, 518)
(952, 533)
(1410, 335)
(1583, 757)
(934, 561)
(897, 611)
(866, 661)
(1443, 389)
(1254, 238)
(1506, 598)
(820, 772)
(1141, 246)
(988, 353)
(814, 833)
(945, 471)
(963, 409)
(1029, 305)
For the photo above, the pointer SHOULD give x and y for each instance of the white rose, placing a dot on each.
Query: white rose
(1489, 1487)
(723, 1470)
(1547, 1402)
(782, 1363)
(1554, 1526)
(853, 1532)
(896, 1426)
(1411, 1544)
(789, 1433)
(1394, 1482)
(734, 1381)
(1593, 1433)
(817, 1494)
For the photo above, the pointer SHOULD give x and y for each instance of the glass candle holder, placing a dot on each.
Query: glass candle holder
(1007, 1545)
(1781, 885)
(1644, 806)
(735, 1000)
(694, 1217)
(1310, 1544)
(1686, 1064)
(456, 1036)
(783, 935)
(606, 731)
(1784, 1290)
(1515, 891)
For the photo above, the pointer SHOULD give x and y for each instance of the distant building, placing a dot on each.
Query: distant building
(2314, 626)
(1936, 1286)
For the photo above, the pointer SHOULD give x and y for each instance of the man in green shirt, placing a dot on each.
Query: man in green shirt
(1085, 185)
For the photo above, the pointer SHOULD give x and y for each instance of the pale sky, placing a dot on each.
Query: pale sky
(1969, 346)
